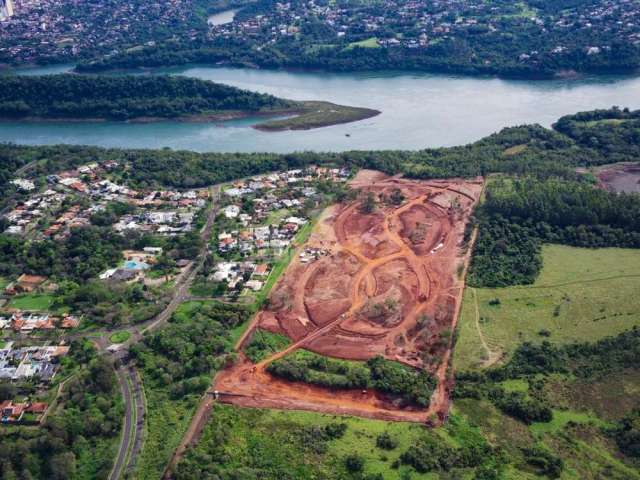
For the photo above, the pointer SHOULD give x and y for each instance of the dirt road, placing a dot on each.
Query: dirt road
(408, 256)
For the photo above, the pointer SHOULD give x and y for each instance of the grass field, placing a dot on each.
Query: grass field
(120, 337)
(32, 302)
(580, 295)
(368, 43)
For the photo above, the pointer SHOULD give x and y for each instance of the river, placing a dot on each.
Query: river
(418, 111)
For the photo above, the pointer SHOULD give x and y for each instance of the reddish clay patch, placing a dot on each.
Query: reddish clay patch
(389, 285)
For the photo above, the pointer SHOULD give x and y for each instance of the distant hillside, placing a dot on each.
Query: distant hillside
(69, 96)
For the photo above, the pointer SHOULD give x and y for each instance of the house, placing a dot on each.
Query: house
(124, 275)
(23, 184)
(25, 284)
(254, 285)
(69, 321)
(231, 211)
(11, 412)
(261, 270)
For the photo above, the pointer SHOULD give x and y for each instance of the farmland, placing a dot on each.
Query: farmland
(580, 295)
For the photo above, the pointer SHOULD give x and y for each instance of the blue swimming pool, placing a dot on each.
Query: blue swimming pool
(135, 265)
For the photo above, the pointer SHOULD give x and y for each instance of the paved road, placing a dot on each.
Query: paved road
(134, 402)
(125, 439)
(138, 397)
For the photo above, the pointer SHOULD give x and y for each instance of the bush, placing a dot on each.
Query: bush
(544, 462)
(354, 463)
(386, 442)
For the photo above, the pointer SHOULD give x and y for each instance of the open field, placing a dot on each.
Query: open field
(619, 177)
(120, 337)
(386, 283)
(580, 295)
(272, 442)
(32, 302)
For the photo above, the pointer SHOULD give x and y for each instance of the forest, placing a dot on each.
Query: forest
(520, 214)
(124, 97)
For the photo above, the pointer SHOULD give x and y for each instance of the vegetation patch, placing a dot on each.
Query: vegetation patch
(318, 114)
(580, 295)
(412, 386)
(289, 444)
(177, 364)
(120, 337)
(264, 343)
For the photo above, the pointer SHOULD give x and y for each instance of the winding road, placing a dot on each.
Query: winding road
(132, 438)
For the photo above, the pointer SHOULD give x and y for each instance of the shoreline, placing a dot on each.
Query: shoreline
(307, 116)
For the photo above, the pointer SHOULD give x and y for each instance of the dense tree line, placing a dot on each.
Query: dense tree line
(90, 414)
(412, 386)
(615, 132)
(431, 455)
(124, 97)
(529, 149)
(518, 215)
(182, 355)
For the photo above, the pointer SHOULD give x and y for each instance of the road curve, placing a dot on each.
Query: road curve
(125, 439)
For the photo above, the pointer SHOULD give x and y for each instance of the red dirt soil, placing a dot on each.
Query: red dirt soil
(390, 285)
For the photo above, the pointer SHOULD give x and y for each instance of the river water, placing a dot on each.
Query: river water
(418, 111)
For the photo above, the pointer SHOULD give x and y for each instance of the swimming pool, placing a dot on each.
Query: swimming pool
(135, 265)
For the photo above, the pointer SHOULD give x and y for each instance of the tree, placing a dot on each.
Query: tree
(368, 205)
(354, 463)
(396, 196)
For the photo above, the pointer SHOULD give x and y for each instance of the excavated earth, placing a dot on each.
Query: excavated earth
(390, 283)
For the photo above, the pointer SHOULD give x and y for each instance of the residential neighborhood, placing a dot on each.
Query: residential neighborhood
(72, 197)
(259, 221)
(21, 363)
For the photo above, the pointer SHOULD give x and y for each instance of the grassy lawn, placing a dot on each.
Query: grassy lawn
(120, 337)
(32, 302)
(4, 282)
(276, 216)
(368, 43)
(580, 295)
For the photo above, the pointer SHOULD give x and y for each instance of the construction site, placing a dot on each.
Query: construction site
(389, 284)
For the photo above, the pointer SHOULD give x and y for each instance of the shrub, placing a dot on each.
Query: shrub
(354, 463)
(386, 442)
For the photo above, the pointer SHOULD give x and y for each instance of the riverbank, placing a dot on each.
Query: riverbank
(418, 111)
(306, 115)
(316, 115)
